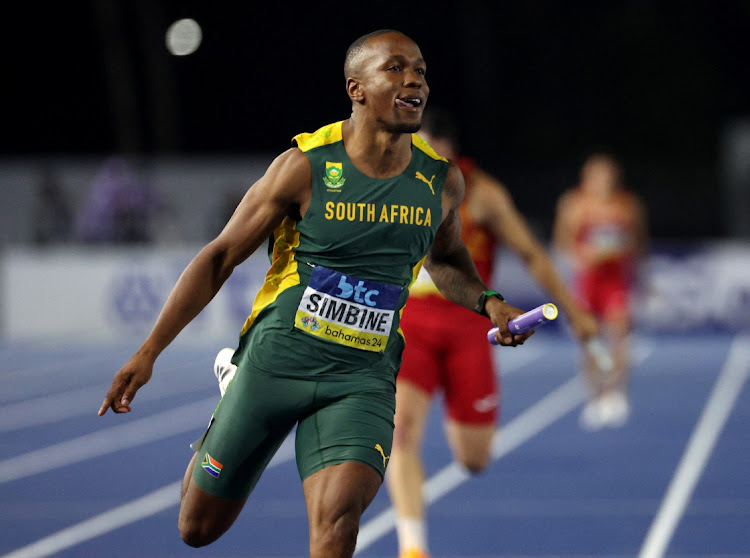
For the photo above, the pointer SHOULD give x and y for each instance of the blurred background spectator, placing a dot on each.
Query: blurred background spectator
(52, 216)
(119, 207)
(533, 86)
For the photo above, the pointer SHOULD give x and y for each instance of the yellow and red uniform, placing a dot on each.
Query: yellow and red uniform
(604, 248)
(446, 344)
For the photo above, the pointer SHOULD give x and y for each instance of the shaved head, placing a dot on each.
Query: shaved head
(357, 49)
(385, 81)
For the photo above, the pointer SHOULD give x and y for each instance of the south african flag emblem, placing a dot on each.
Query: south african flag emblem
(334, 177)
(211, 466)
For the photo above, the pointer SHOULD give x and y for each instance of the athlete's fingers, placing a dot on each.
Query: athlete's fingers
(129, 393)
(105, 405)
(521, 339)
(116, 398)
(115, 402)
(500, 339)
(496, 337)
(131, 377)
(504, 335)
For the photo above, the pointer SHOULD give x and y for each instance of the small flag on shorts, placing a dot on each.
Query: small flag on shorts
(211, 466)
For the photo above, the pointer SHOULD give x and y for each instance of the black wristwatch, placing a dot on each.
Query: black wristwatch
(482, 302)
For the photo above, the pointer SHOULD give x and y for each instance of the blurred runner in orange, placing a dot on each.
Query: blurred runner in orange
(447, 348)
(601, 227)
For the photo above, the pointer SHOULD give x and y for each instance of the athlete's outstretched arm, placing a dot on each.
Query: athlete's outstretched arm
(283, 190)
(494, 208)
(453, 271)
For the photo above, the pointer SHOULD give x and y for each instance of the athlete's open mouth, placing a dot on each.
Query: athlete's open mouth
(409, 102)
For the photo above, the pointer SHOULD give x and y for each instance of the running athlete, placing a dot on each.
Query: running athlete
(601, 226)
(445, 350)
(353, 210)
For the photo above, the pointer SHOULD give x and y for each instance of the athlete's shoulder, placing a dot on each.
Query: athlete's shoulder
(289, 171)
(326, 135)
(455, 186)
(571, 196)
(426, 148)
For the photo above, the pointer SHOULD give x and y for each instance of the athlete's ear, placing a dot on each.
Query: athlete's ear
(355, 90)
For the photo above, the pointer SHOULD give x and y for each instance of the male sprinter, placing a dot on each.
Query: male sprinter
(446, 347)
(601, 226)
(353, 211)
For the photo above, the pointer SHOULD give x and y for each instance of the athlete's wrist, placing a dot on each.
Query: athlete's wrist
(481, 306)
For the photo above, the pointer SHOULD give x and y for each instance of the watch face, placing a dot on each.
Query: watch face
(481, 303)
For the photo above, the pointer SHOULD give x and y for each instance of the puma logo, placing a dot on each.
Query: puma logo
(421, 177)
(385, 457)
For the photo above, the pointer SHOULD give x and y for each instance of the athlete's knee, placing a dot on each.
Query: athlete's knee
(204, 518)
(475, 466)
(475, 461)
(406, 434)
(196, 533)
(403, 439)
(337, 530)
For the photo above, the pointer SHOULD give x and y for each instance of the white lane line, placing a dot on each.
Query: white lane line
(49, 379)
(141, 431)
(160, 499)
(135, 510)
(27, 370)
(148, 505)
(49, 409)
(531, 422)
(718, 407)
(507, 438)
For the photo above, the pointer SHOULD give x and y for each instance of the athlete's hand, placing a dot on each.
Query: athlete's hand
(501, 313)
(131, 377)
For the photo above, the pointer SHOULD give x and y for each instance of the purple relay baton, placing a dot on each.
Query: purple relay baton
(526, 322)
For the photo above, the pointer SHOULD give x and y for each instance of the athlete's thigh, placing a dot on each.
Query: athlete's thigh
(337, 489)
(353, 422)
(616, 300)
(585, 290)
(470, 382)
(250, 423)
(412, 409)
(204, 514)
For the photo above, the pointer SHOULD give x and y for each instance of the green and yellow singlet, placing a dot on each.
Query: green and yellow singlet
(340, 276)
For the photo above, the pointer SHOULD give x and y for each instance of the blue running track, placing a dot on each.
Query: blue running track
(674, 481)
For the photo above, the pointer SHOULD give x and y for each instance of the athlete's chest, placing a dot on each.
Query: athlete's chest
(346, 204)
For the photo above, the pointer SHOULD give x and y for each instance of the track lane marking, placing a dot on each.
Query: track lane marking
(698, 450)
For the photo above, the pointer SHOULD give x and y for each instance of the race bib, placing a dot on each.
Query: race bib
(347, 310)
(608, 239)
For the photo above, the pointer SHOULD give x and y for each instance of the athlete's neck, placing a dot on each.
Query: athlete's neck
(374, 151)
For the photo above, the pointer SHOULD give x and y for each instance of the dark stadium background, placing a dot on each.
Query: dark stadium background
(536, 85)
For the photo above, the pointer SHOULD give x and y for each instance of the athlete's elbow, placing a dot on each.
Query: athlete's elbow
(220, 261)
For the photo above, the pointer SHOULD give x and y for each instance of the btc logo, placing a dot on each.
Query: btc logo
(359, 293)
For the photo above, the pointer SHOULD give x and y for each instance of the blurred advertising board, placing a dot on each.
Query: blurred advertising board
(117, 293)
